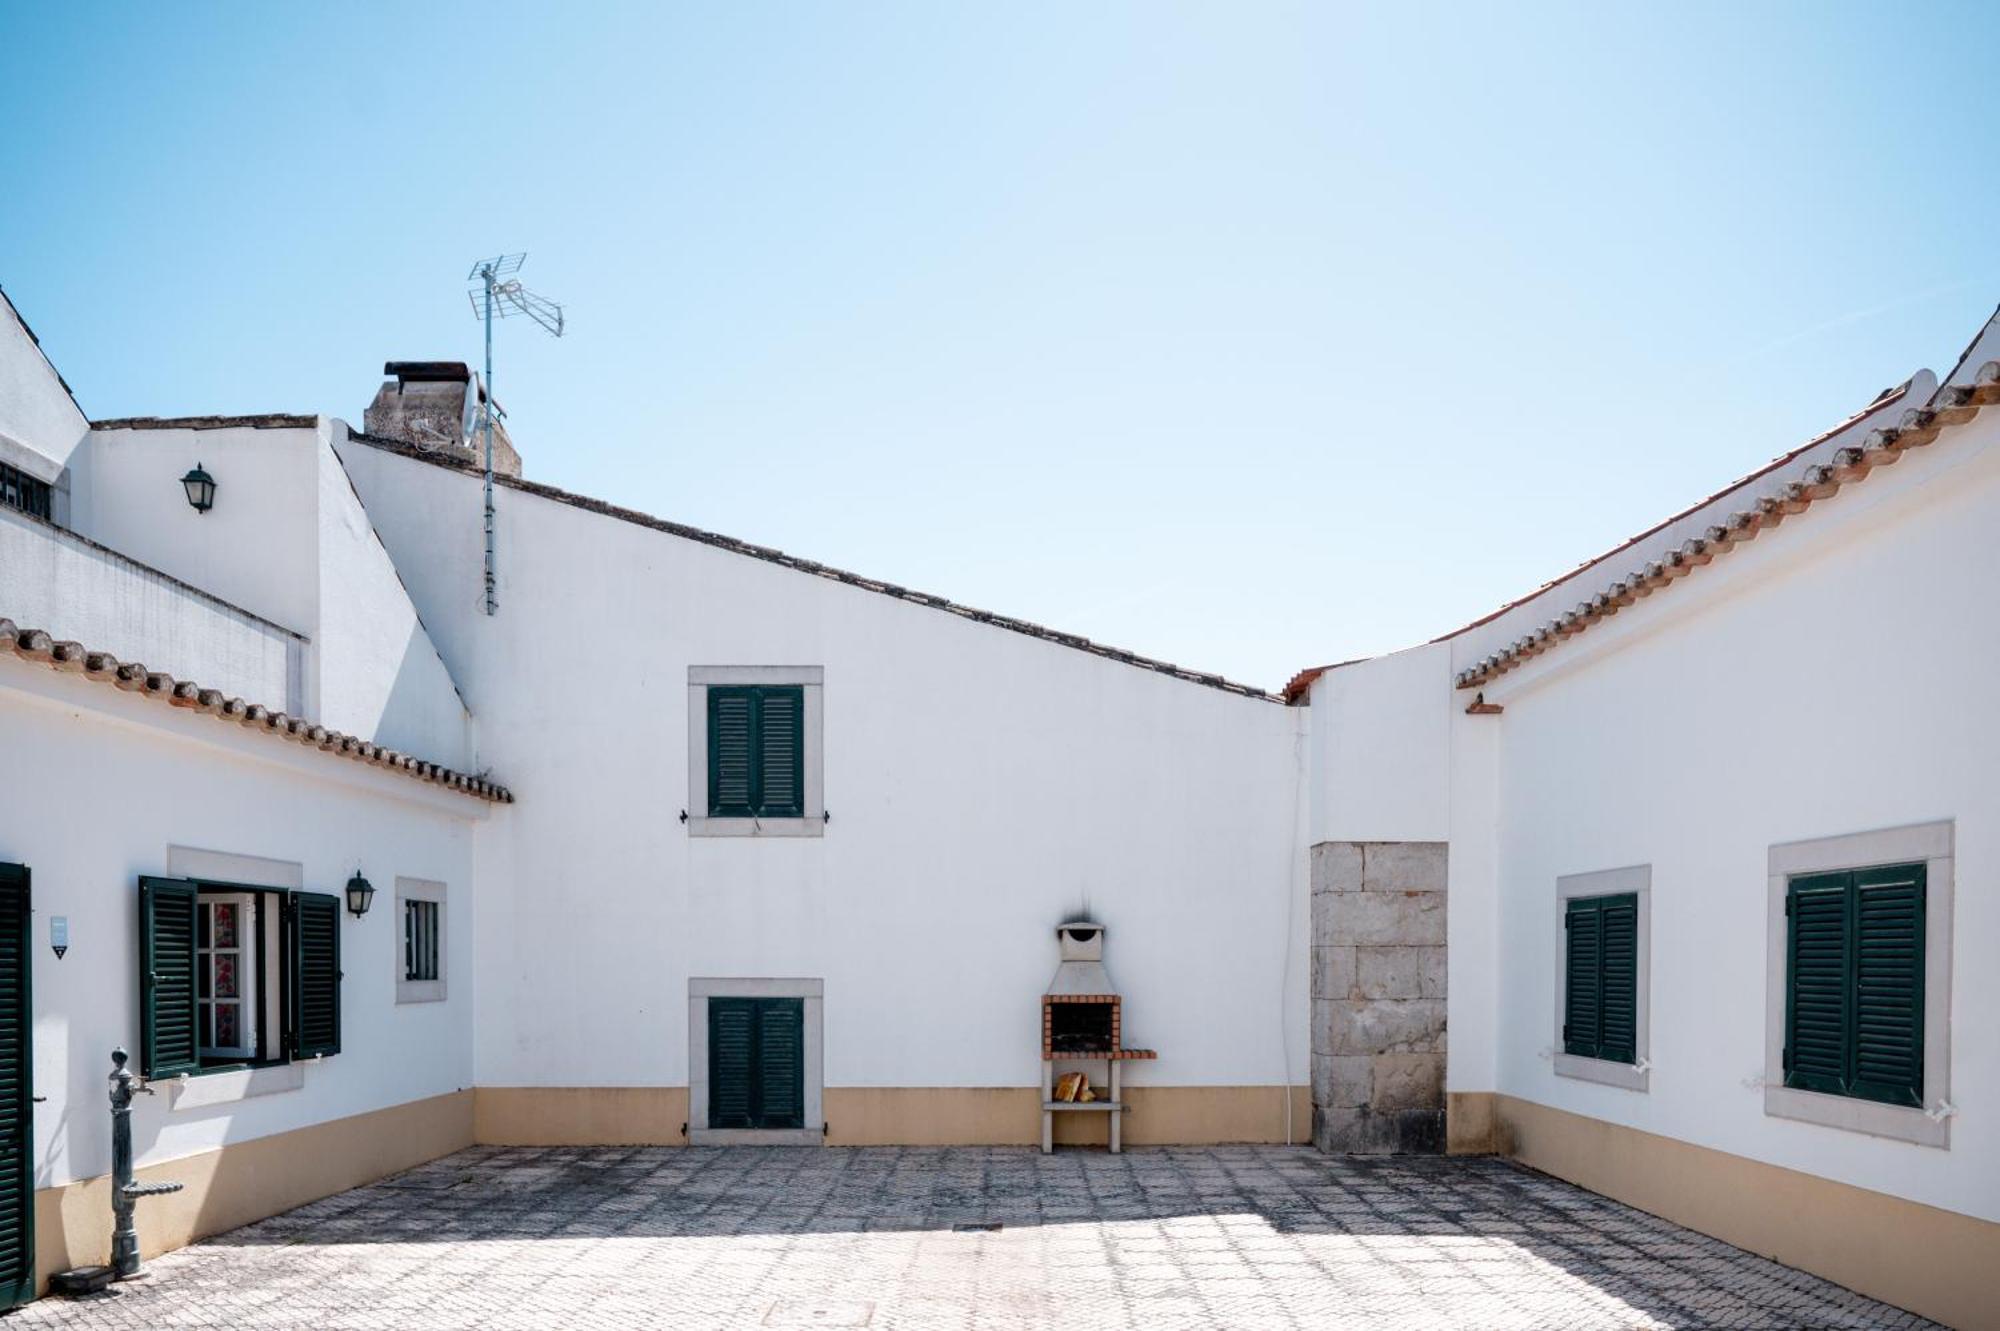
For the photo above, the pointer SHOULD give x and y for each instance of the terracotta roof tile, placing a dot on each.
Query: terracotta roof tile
(39, 648)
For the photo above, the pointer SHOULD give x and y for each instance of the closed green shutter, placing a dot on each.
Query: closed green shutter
(167, 1045)
(1889, 984)
(1583, 966)
(731, 750)
(1618, 1027)
(314, 918)
(1854, 983)
(756, 751)
(781, 1058)
(732, 1044)
(1601, 978)
(17, 1091)
(756, 1063)
(781, 753)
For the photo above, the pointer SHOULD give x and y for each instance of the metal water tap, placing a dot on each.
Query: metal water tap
(124, 1192)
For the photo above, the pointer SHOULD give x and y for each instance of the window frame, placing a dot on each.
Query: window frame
(420, 991)
(813, 992)
(256, 994)
(1929, 844)
(21, 491)
(810, 681)
(1635, 881)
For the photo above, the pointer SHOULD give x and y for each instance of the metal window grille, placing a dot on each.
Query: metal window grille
(21, 491)
(420, 940)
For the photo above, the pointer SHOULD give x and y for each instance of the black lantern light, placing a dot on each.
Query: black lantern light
(360, 894)
(200, 487)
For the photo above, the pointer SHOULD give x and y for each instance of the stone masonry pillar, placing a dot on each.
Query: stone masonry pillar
(1378, 996)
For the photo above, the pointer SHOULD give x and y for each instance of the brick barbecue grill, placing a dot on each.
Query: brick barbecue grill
(1083, 1023)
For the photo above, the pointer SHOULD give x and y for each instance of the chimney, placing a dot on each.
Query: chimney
(433, 405)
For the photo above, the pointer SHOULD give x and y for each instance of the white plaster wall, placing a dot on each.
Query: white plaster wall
(77, 590)
(288, 540)
(1396, 759)
(39, 423)
(1832, 676)
(1382, 747)
(257, 548)
(112, 783)
(981, 783)
(379, 675)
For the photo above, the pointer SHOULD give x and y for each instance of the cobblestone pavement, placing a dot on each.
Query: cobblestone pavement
(547, 1239)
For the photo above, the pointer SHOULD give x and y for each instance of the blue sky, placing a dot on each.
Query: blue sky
(1248, 336)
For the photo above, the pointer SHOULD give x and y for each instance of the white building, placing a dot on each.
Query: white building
(694, 841)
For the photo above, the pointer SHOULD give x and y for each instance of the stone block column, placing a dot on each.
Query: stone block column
(1378, 996)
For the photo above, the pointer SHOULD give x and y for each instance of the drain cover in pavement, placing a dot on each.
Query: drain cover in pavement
(789, 1312)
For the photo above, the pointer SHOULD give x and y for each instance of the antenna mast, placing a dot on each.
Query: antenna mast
(497, 294)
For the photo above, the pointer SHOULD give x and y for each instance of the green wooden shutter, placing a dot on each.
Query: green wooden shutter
(1582, 976)
(17, 1091)
(1889, 985)
(781, 1063)
(781, 789)
(1819, 991)
(756, 751)
(731, 752)
(166, 978)
(315, 979)
(1618, 1024)
(732, 1043)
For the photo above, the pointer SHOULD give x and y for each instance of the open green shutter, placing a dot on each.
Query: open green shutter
(731, 725)
(166, 978)
(1889, 984)
(781, 1061)
(732, 1040)
(1819, 1009)
(315, 980)
(781, 752)
(1618, 1025)
(17, 1091)
(1582, 989)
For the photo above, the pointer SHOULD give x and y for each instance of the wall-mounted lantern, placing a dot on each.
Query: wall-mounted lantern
(360, 894)
(200, 487)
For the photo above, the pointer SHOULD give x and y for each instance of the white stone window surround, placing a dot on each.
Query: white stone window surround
(420, 889)
(220, 1088)
(1927, 843)
(812, 680)
(703, 988)
(1637, 880)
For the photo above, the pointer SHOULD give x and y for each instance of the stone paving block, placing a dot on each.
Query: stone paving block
(1195, 1237)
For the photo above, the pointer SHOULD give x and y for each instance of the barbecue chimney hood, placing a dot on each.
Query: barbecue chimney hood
(1081, 972)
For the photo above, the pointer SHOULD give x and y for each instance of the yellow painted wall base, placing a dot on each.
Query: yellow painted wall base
(896, 1116)
(1937, 1263)
(235, 1185)
(1471, 1123)
(579, 1115)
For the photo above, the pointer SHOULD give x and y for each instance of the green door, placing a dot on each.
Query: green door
(17, 1090)
(756, 1063)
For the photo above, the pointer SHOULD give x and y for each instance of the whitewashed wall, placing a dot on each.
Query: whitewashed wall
(1830, 677)
(1833, 676)
(77, 590)
(981, 783)
(113, 784)
(288, 540)
(39, 423)
(1396, 759)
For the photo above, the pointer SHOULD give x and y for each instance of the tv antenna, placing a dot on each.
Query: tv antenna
(497, 294)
